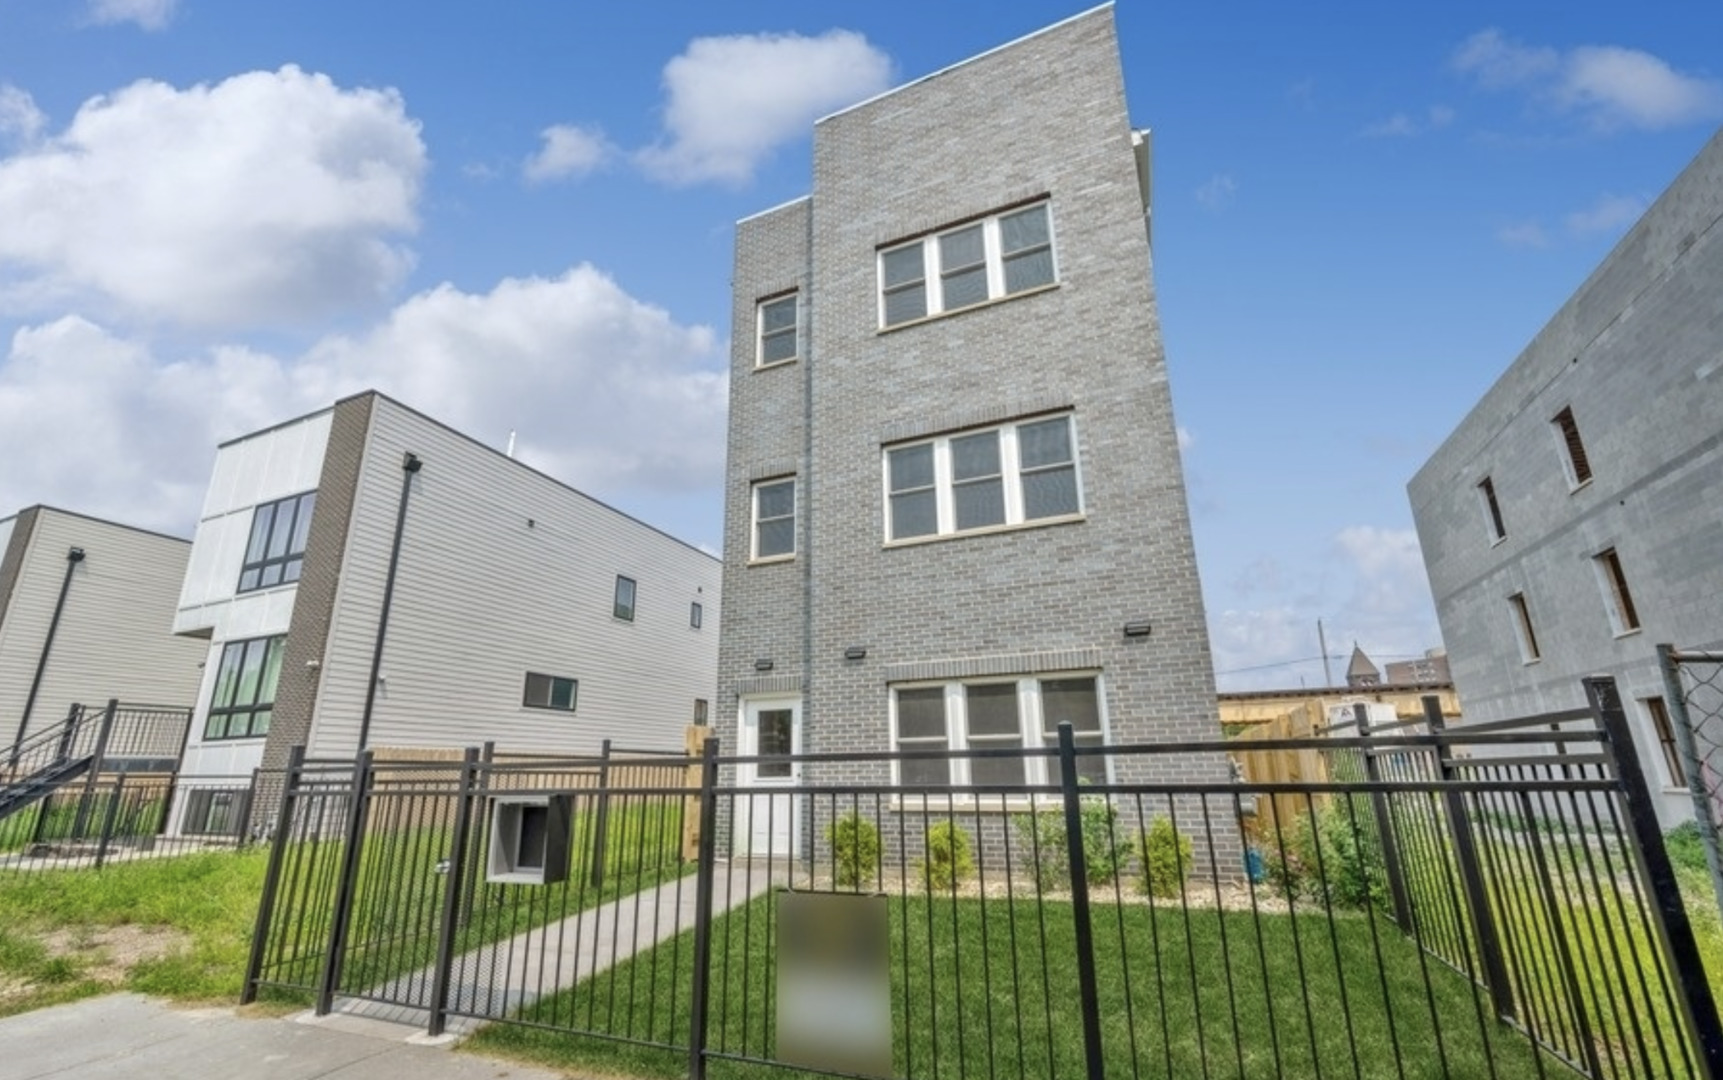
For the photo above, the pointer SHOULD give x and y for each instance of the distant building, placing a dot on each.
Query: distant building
(1429, 669)
(366, 577)
(86, 614)
(1571, 522)
(1360, 671)
(956, 511)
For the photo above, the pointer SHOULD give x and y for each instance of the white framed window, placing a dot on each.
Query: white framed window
(774, 519)
(1623, 616)
(996, 714)
(1006, 253)
(1573, 457)
(779, 336)
(973, 480)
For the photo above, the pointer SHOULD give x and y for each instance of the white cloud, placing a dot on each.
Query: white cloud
(1404, 125)
(20, 119)
(149, 14)
(1610, 213)
(608, 394)
(567, 151)
(264, 199)
(1607, 86)
(1523, 234)
(1186, 438)
(1217, 192)
(732, 100)
(1388, 566)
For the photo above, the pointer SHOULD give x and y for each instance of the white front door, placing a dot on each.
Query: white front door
(766, 808)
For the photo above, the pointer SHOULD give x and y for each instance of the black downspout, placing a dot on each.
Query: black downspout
(410, 465)
(74, 556)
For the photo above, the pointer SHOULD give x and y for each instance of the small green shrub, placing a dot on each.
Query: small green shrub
(1334, 858)
(855, 850)
(948, 859)
(1102, 859)
(1041, 840)
(1166, 857)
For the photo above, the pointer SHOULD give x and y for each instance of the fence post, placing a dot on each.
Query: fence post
(452, 893)
(242, 819)
(348, 885)
(290, 778)
(1675, 698)
(109, 818)
(1674, 931)
(1471, 872)
(1385, 828)
(699, 996)
(601, 818)
(82, 820)
(1086, 980)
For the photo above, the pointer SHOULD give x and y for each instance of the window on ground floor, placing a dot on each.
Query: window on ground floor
(244, 697)
(1665, 732)
(550, 692)
(1011, 714)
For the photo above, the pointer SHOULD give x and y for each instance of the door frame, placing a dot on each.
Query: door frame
(747, 744)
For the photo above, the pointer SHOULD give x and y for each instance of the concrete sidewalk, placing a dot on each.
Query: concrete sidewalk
(128, 1036)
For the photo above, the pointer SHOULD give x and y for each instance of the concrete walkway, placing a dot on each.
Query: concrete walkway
(125, 1036)
(496, 980)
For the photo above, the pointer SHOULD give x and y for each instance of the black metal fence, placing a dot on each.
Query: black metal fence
(1490, 901)
(119, 817)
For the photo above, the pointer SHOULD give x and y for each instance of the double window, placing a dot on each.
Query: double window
(244, 696)
(983, 260)
(982, 479)
(275, 554)
(774, 519)
(778, 342)
(1008, 714)
(550, 692)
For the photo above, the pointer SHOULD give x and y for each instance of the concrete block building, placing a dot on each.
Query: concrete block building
(86, 615)
(955, 507)
(367, 577)
(1572, 521)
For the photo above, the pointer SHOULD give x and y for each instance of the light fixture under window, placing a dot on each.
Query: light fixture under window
(1137, 628)
(762, 665)
(856, 652)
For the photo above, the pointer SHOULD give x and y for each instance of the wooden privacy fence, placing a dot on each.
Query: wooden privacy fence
(1306, 765)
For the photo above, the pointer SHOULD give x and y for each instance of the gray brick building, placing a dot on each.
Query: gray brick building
(955, 506)
(1572, 521)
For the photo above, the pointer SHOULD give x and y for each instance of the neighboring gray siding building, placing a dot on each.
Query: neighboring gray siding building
(951, 441)
(114, 637)
(523, 611)
(1574, 519)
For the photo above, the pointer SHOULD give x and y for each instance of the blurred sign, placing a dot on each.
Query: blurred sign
(834, 982)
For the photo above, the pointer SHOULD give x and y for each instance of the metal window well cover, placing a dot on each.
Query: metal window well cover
(834, 982)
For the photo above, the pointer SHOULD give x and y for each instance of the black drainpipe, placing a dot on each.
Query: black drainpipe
(410, 464)
(74, 556)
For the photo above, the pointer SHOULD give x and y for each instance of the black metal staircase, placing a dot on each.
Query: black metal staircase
(119, 738)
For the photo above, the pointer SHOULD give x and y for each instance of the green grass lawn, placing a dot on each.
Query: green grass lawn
(1208, 993)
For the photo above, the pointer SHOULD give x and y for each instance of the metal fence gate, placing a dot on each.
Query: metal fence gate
(1693, 703)
(1484, 901)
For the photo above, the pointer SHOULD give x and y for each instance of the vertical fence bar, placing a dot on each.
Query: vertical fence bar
(1675, 699)
(347, 886)
(1391, 865)
(272, 873)
(601, 817)
(1674, 930)
(457, 868)
(1086, 978)
(699, 997)
(81, 820)
(109, 818)
(1471, 872)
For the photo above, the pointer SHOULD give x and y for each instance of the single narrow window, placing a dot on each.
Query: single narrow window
(1528, 638)
(1578, 467)
(921, 726)
(1660, 724)
(991, 722)
(1492, 509)
(903, 283)
(1026, 245)
(913, 496)
(623, 606)
(700, 712)
(977, 484)
(774, 519)
(1622, 615)
(778, 331)
(696, 614)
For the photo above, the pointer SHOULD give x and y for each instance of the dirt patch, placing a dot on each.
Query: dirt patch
(106, 953)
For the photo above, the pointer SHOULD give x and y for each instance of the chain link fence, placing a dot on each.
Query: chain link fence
(1693, 700)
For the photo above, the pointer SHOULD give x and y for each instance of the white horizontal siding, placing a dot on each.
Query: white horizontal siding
(115, 635)
(504, 571)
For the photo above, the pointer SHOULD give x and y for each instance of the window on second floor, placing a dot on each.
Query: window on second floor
(622, 606)
(1527, 637)
(243, 701)
(1623, 617)
(1008, 475)
(1492, 509)
(696, 615)
(1574, 461)
(778, 333)
(983, 260)
(275, 554)
(775, 519)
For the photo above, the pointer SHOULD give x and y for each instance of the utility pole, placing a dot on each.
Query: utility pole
(1322, 643)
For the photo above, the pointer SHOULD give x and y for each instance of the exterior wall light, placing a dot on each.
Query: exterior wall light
(856, 652)
(762, 665)
(1137, 628)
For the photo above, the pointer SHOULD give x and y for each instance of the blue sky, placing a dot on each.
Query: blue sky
(216, 214)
